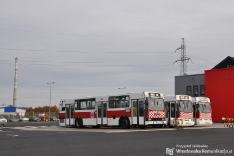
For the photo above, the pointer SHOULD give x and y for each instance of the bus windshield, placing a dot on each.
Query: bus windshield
(156, 104)
(205, 108)
(185, 106)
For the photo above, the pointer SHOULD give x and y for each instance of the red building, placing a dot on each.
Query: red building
(220, 89)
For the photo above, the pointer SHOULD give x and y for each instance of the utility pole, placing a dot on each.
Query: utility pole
(183, 59)
(15, 83)
(50, 96)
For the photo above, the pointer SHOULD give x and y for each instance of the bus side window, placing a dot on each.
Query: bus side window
(76, 105)
(63, 106)
(93, 104)
(83, 105)
(89, 105)
(111, 104)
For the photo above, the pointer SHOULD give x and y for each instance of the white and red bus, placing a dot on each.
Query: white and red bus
(179, 107)
(202, 111)
(133, 109)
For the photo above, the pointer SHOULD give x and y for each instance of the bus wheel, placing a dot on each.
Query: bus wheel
(79, 123)
(125, 123)
(142, 127)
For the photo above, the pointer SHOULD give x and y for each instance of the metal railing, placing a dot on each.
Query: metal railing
(228, 122)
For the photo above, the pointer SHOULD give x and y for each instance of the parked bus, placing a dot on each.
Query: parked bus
(136, 109)
(202, 111)
(179, 107)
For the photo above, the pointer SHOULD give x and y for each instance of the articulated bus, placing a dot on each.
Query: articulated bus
(132, 109)
(179, 107)
(202, 111)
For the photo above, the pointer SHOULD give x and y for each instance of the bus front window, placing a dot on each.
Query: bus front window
(186, 106)
(156, 104)
(205, 108)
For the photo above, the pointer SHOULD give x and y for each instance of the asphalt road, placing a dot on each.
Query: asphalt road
(48, 139)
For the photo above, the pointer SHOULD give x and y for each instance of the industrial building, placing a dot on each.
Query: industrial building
(216, 84)
(11, 110)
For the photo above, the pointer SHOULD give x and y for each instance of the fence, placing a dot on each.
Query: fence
(37, 114)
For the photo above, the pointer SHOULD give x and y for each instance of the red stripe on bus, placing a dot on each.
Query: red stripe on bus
(61, 115)
(118, 113)
(85, 115)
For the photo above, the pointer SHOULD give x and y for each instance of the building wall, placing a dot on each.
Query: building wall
(219, 88)
(182, 82)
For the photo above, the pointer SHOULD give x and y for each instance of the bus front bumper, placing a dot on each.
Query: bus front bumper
(204, 122)
(188, 123)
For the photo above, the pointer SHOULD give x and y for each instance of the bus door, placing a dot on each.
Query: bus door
(196, 112)
(171, 115)
(69, 115)
(102, 113)
(138, 112)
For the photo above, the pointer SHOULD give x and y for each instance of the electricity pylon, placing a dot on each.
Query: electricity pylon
(183, 59)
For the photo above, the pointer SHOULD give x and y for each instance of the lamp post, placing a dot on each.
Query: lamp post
(50, 96)
(122, 88)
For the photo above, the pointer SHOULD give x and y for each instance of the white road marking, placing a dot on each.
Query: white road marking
(31, 127)
(139, 130)
(12, 135)
(42, 126)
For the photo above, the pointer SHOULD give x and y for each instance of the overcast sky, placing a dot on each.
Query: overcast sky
(94, 47)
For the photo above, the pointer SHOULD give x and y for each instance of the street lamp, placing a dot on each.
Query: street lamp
(50, 95)
(122, 88)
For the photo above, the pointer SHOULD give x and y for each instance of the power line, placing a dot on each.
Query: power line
(194, 69)
(72, 34)
(200, 65)
(84, 63)
(207, 47)
(58, 33)
(45, 63)
(77, 51)
(202, 59)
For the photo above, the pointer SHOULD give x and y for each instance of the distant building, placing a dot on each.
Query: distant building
(216, 84)
(192, 85)
(228, 62)
(11, 110)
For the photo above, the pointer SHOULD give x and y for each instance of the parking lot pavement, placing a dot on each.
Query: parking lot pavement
(51, 139)
(49, 127)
